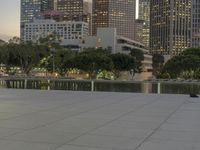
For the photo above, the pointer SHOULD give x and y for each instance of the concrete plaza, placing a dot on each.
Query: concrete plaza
(65, 120)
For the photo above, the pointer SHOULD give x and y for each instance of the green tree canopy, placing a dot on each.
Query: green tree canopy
(2, 42)
(52, 41)
(122, 62)
(139, 57)
(158, 62)
(93, 60)
(64, 61)
(24, 55)
(187, 61)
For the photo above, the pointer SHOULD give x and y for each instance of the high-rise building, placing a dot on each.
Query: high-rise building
(72, 9)
(31, 9)
(119, 14)
(144, 14)
(50, 4)
(195, 37)
(139, 25)
(170, 26)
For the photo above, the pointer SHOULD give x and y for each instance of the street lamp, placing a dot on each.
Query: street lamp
(132, 73)
(52, 50)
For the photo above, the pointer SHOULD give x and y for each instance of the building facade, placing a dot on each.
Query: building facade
(195, 34)
(170, 26)
(32, 9)
(139, 26)
(108, 38)
(71, 33)
(73, 10)
(144, 14)
(119, 14)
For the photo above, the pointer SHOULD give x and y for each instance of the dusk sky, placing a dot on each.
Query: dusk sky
(9, 18)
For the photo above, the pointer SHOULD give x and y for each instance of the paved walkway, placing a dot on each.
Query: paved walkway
(61, 120)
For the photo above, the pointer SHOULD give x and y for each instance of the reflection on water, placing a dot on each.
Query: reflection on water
(110, 86)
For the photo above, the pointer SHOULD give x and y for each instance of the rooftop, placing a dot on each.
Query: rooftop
(65, 120)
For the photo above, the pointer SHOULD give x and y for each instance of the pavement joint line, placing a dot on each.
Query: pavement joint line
(85, 146)
(154, 131)
(50, 109)
(24, 141)
(153, 101)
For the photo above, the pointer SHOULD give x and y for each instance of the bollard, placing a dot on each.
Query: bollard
(48, 88)
(25, 84)
(92, 85)
(158, 88)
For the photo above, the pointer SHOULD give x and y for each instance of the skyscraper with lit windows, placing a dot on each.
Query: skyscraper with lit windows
(119, 14)
(195, 34)
(144, 14)
(170, 26)
(72, 9)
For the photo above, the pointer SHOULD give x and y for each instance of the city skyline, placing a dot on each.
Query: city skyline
(10, 16)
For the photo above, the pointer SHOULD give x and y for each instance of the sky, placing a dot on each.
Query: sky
(10, 18)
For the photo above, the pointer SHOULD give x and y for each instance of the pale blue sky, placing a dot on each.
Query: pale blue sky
(9, 18)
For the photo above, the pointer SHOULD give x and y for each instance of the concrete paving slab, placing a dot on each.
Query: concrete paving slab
(169, 145)
(106, 142)
(67, 120)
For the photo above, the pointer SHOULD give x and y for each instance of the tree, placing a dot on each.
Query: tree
(15, 40)
(2, 42)
(93, 60)
(139, 57)
(23, 55)
(52, 41)
(158, 62)
(122, 62)
(29, 55)
(7, 56)
(64, 61)
(184, 65)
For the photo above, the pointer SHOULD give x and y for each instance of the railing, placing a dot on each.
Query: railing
(156, 86)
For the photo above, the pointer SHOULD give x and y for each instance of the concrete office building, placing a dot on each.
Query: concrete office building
(71, 33)
(144, 14)
(109, 39)
(119, 14)
(170, 26)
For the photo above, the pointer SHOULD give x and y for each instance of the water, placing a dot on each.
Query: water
(106, 86)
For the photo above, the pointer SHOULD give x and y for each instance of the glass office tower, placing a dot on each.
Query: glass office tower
(119, 14)
(73, 9)
(144, 14)
(170, 26)
(195, 34)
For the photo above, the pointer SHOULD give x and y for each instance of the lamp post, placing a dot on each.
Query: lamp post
(53, 59)
(132, 73)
